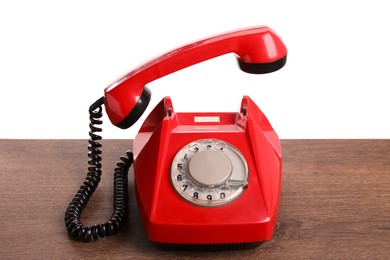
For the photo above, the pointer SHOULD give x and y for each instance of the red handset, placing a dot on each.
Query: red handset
(258, 50)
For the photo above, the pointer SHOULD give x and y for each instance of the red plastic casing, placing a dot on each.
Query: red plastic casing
(170, 219)
(254, 45)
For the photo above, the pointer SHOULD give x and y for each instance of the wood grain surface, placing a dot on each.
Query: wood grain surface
(335, 203)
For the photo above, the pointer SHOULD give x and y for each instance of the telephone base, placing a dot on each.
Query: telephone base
(228, 201)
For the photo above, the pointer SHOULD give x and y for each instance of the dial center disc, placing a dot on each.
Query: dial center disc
(210, 167)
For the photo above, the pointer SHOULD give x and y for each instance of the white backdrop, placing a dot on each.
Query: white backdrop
(56, 57)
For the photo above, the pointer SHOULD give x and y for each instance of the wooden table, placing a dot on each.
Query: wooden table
(335, 203)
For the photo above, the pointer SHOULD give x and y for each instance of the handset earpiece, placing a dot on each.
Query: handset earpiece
(258, 50)
(262, 68)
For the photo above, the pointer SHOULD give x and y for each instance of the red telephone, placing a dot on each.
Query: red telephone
(206, 179)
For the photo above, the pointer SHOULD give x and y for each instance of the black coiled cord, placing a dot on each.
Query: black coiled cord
(77, 230)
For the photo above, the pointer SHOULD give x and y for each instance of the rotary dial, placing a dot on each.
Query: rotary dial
(209, 172)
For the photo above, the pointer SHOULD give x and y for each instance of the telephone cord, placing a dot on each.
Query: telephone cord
(75, 228)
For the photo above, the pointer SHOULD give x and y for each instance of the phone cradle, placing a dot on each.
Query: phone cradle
(208, 179)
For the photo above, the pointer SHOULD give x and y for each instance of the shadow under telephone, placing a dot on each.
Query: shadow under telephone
(210, 179)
